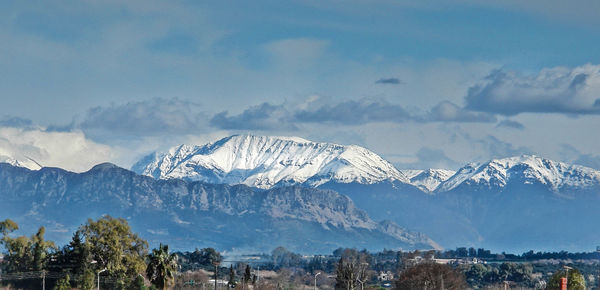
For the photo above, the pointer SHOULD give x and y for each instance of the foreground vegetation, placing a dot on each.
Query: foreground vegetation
(107, 249)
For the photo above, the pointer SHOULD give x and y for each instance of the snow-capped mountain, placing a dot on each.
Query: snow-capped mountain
(188, 214)
(264, 162)
(508, 203)
(526, 169)
(428, 180)
(25, 163)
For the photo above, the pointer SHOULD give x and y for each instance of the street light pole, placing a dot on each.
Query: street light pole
(567, 275)
(598, 251)
(316, 279)
(216, 275)
(99, 277)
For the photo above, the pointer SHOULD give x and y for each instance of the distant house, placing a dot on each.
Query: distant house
(463, 261)
(385, 276)
(415, 261)
(444, 261)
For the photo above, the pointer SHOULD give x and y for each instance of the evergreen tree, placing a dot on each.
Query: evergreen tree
(231, 282)
(78, 255)
(247, 275)
(25, 254)
(210, 256)
(575, 281)
(139, 284)
(64, 283)
(7, 226)
(114, 247)
(162, 267)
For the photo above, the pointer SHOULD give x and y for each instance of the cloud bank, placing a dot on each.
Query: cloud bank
(449, 112)
(15, 122)
(68, 150)
(267, 116)
(552, 90)
(261, 117)
(353, 112)
(156, 116)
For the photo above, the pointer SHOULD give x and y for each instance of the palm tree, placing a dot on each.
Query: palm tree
(162, 267)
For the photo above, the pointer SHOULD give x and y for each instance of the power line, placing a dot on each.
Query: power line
(16, 276)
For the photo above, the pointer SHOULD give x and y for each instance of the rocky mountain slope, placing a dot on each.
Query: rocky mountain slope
(497, 174)
(265, 162)
(513, 203)
(428, 180)
(195, 214)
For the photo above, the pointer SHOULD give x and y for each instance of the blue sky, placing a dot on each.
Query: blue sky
(422, 83)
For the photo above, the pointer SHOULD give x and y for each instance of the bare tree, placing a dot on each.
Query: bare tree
(429, 276)
(351, 273)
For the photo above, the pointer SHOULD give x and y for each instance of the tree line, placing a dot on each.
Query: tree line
(106, 246)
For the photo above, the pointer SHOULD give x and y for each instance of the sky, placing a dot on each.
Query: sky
(424, 84)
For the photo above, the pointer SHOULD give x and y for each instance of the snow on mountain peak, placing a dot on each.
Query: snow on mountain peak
(528, 169)
(264, 161)
(26, 163)
(428, 180)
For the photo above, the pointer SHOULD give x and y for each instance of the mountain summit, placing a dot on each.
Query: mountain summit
(525, 170)
(264, 162)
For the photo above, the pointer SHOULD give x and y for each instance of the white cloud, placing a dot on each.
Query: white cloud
(552, 90)
(156, 116)
(68, 150)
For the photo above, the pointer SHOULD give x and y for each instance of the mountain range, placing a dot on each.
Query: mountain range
(189, 215)
(247, 192)
(512, 203)
(265, 162)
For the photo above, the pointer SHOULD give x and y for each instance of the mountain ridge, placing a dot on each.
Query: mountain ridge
(525, 168)
(266, 162)
(513, 203)
(242, 217)
(263, 162)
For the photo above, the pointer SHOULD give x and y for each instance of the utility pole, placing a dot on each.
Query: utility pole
(43, 280)
(216, 269)
(567, 275)
(99, 277)
(598, 282)
(316, 279)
